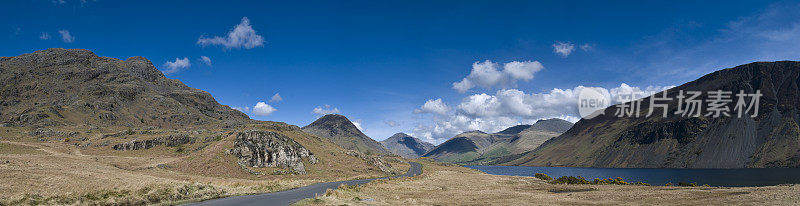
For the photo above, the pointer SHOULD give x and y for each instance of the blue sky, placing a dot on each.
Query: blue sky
(391, 66)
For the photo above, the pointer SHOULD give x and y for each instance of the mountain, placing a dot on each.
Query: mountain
(771, 139)
(406, 146)
(341, 131)
(477, 147)
(111, 125)
(65, 87)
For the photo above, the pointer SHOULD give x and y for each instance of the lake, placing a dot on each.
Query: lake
(659, 176)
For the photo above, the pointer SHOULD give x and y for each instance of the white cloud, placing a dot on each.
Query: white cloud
(587, 47)
(433, 106)
(325, 109)
(563, 48)
(242, 109)
(44, 36)
(66, 36)
(242, 35)
(391, 123)
(263, 109)
(176, 65)
(357, 123)
(509, 107)
(486, 74)
(522, 70)
(276, 98)
(205, 60)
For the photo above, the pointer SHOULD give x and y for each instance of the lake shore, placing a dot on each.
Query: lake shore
(453, 185)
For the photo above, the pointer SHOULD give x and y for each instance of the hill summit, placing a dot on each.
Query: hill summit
(344, 133)
(406, 146)
(66, 87)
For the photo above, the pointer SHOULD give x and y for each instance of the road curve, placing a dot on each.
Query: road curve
(288, 197)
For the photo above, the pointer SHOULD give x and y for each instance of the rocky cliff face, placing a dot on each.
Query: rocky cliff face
(406, 146)
(771, 139)
(341, 131)
(256, 148)
(171, 140)
(64, 87)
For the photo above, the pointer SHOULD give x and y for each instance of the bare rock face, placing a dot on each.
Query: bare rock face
(256, 148)
(172, 140)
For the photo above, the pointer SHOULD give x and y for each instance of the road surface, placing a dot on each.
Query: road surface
(288, 197)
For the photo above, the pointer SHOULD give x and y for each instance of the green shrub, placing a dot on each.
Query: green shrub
(686, 184)
(543, 176)
(571, 180)
(596, 181)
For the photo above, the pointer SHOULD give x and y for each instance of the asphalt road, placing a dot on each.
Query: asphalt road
(291, 196)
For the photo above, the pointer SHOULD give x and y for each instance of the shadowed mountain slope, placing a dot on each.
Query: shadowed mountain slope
(771, 139)
(476, 147)
(406, 146)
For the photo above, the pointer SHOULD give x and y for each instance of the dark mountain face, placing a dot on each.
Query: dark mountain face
(406, 146)
(344, 133)
(476, 147)
(771, 139)
(552, 125)
(60, 87)
(515, 129)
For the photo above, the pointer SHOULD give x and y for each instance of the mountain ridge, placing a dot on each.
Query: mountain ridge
(478, 147)
(58, 87)
(772, 139)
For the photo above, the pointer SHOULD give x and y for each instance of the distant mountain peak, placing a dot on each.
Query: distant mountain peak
(552, 125)
(474, 131)
(344, 133)
(407, 146)
(515, 129)
(400, 134)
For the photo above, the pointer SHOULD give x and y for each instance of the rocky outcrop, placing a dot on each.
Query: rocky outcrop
(372, 160)
(256, 148)
(48, 132)
(170, 141)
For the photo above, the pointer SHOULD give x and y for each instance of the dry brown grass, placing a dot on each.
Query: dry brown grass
(443, 185)
(51, 171)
